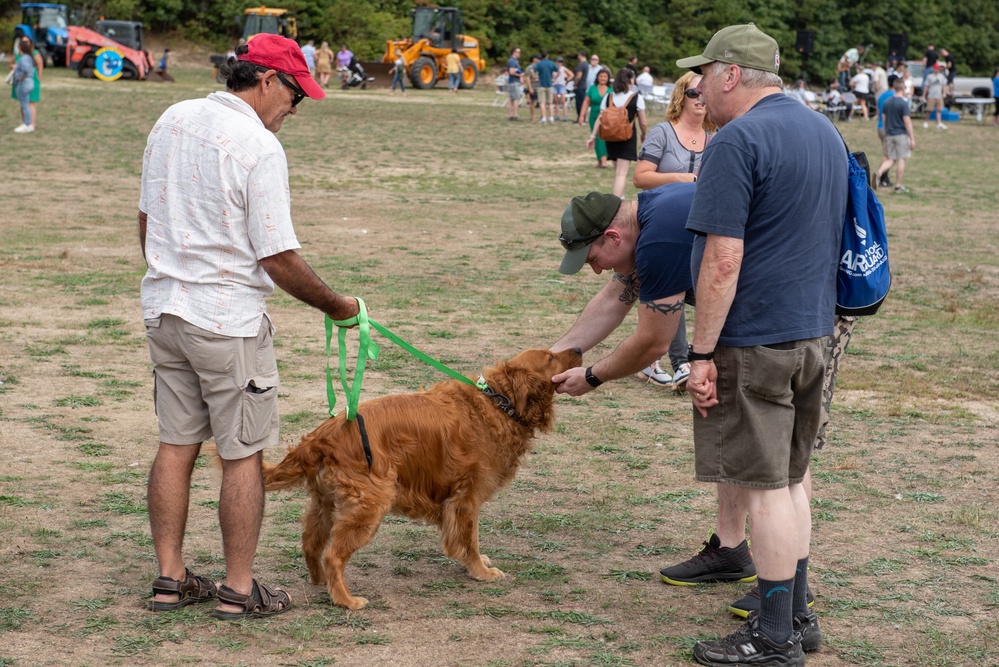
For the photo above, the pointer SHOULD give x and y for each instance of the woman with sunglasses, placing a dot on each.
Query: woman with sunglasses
(672, 154)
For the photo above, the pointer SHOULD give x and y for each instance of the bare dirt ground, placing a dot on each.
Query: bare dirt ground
(443, 216)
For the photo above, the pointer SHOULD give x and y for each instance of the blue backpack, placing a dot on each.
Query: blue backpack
(863, 278)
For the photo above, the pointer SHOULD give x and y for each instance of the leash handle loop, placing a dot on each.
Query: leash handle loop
(368, 349)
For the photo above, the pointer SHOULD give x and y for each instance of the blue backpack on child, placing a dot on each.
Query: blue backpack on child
(863, 278)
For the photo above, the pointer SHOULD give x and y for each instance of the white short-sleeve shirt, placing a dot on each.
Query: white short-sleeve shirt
(621, 99)
(216, 196)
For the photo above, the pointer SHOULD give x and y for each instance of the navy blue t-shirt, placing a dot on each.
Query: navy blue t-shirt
(545, 69)
(662, 253)
(776, 177)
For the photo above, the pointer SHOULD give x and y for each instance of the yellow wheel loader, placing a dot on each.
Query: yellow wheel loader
(436, 30)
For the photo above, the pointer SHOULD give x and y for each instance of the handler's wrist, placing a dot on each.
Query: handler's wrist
(699, 356)
(592, 379)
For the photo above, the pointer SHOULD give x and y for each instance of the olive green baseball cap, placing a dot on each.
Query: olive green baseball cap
(743, 45)
(584, 221)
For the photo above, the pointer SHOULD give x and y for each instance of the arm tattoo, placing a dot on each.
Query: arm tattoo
(630, 293)
(664, 308)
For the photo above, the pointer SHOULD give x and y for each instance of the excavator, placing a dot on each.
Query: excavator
(436, 30)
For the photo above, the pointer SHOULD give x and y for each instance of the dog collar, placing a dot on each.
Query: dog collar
(502, 402)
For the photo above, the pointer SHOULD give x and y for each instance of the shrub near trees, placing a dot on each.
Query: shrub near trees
(659, 31)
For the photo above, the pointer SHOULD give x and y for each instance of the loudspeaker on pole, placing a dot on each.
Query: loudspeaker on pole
(898, 46)
(805, 42)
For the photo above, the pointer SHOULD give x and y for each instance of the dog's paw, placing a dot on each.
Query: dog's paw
(353, 603)
(485, 560)
(490, 574)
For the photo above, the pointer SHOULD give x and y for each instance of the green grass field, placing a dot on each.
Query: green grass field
(443, 216)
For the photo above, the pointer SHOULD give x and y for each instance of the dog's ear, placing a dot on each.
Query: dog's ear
(533, 398)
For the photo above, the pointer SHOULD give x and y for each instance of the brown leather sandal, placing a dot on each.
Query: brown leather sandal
(192, 589)
(262, 601)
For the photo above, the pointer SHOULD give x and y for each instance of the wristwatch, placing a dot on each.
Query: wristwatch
(698, 356)
(592, 379)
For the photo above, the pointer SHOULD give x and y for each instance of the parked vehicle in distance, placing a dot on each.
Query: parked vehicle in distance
(45, 24)
(964, 86)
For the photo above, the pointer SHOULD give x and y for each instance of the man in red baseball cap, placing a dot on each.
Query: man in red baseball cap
(282, 55)
(215, 228)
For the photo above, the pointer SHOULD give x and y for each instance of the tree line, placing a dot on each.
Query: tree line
(657, 31)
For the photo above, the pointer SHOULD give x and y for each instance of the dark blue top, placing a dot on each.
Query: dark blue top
(895, 111)
(545, 69)
(662, 253)
(776, 177)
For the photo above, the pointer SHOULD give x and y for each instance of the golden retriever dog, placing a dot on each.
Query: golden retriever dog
(436, 455)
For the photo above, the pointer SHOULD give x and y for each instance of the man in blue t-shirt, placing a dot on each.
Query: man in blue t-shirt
(647, 246)
(768, 214)
(883, 180)
(513, 84)
(546, 70)
(899, 138)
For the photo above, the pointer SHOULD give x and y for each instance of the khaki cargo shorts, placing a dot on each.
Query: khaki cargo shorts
(210, 385)
(761, 433)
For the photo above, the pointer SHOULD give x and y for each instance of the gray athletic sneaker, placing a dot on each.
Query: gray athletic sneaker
(713, 563)
(749, 646)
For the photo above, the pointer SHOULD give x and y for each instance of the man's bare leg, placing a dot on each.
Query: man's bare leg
(167, 499)
(241, 511)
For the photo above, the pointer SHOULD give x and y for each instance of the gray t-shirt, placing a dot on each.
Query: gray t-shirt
(935, 83)
(894, 113)
(663, 148)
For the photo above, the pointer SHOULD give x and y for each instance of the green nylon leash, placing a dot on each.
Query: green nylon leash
(368, 349)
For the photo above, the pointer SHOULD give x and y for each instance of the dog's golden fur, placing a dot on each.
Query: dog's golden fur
(437, 456)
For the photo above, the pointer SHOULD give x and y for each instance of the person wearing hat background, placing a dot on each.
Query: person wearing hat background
(216, 232)
(934, 86)
(767, 217)
(646, 245)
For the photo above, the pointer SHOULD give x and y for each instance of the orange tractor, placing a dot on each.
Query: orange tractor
(436, 30)
(113, 51)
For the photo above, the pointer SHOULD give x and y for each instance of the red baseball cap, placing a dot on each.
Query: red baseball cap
(284, 55)
(936, 65)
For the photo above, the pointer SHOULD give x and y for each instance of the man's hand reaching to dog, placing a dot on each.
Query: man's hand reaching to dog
(572, 382)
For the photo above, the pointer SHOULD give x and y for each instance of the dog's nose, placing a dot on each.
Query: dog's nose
(578, 351)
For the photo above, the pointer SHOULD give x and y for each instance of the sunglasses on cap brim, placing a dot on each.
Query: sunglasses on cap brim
(572, 244)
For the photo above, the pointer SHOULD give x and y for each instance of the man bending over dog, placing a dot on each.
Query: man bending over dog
(216, 232)
(647, 246)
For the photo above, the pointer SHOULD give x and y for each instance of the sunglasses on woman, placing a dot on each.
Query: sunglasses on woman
(692, 93)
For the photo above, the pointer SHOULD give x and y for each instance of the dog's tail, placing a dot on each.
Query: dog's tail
(298, 465)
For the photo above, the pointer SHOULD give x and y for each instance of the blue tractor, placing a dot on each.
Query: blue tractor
(46, 24)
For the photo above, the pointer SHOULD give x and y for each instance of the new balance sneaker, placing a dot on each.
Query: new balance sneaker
(680, 376)
(713, 563)
(655, 375)
(750, 602)
(749, 646)
(807, 627)
(901, 189)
